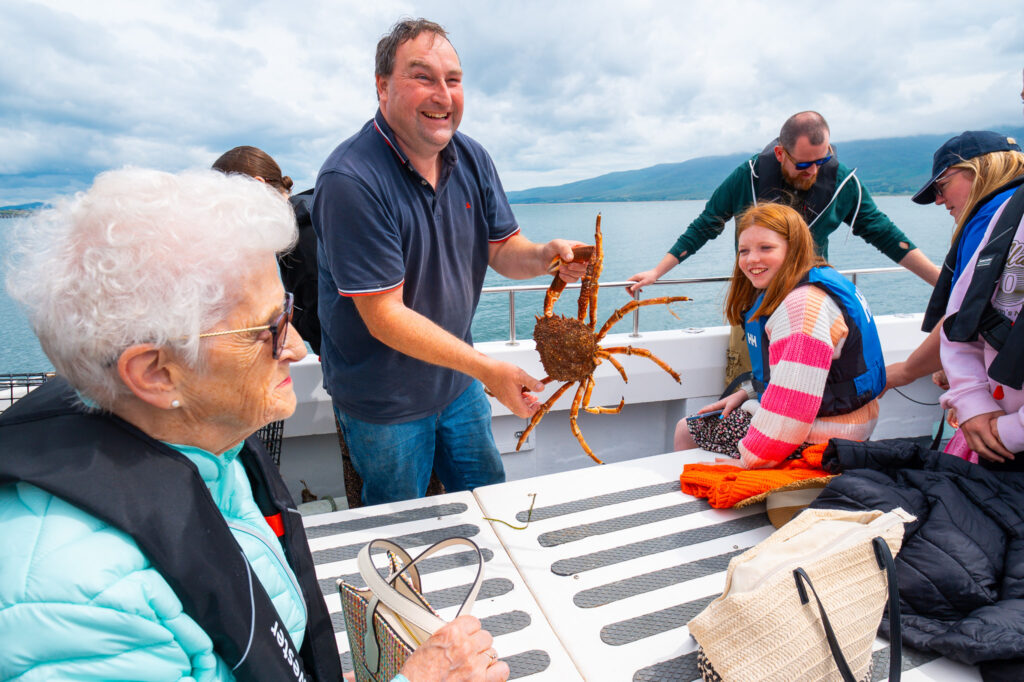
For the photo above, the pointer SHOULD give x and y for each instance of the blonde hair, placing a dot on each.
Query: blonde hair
(991, 171)
(801, 256)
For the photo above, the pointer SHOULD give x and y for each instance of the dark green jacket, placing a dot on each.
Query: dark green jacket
(852, 205)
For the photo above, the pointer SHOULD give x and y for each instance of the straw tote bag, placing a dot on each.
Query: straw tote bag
(805, 603)
(401, 618)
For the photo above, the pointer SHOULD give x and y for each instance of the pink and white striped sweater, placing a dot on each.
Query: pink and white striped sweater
(805, 334)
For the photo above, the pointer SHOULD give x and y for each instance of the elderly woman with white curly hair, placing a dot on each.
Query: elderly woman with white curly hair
(146, 535)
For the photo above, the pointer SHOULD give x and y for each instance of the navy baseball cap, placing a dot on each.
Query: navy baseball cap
(966, 145)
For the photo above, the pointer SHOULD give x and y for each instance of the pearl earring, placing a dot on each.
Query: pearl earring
(175, 403)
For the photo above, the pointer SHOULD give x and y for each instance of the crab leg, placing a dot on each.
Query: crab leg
(553, 292)
(601, 353)
(599, 410)
(573, 412)
(643, 352)
(598, 265)
(542, 411)
(633, 305)
(579, 255)
(587, 284)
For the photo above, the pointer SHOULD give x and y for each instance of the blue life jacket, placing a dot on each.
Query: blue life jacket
(857, 376)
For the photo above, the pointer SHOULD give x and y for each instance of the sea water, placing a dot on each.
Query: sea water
(636, 236)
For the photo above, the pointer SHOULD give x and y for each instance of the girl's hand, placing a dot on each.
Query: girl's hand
(982, 434)
(726, 404)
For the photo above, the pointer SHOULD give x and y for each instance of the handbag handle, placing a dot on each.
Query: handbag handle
(885, 563)
(384, 592)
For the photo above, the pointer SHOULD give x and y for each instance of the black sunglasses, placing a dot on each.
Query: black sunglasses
(804, 165)
(278, 327)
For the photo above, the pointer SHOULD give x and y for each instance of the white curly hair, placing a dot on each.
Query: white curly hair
(143, 256)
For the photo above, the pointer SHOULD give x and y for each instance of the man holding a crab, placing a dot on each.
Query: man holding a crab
(409, 214)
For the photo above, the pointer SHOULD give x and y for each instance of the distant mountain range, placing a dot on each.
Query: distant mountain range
(14, 211)
(894, 165)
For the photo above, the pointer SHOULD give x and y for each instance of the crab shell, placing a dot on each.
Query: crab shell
(566, 346)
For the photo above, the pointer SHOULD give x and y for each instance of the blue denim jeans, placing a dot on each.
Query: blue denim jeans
(395, 460)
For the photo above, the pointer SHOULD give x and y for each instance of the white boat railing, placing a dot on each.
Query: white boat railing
(513, 289)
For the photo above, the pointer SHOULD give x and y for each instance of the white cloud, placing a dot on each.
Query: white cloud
(557, 91)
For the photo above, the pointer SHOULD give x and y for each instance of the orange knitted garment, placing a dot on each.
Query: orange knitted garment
(724, 485)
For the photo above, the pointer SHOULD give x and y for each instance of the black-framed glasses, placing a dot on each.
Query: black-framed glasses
(278, 327)
(943, 182)
(804, 165)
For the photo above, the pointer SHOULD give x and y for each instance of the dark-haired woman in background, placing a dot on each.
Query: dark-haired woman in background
(298, 266)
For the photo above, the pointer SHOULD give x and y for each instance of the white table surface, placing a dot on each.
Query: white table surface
(615, 560)
(619, 560)
(523, 637)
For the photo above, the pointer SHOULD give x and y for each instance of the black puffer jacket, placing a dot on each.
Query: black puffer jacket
(961, 568)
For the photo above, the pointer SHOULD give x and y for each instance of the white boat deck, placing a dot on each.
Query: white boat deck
(600, 584)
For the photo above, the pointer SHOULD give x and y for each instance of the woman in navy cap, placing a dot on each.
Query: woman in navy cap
(973, 175)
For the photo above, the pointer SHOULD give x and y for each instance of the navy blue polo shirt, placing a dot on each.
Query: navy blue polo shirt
(380, 226)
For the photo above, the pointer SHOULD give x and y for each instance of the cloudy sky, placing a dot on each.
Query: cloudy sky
(556, 90)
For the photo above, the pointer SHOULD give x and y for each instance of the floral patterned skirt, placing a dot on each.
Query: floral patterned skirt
(720, 434)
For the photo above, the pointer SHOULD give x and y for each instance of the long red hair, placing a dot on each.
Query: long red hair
(801, 256)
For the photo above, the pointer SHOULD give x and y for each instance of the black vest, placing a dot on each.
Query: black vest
(977, 316)
(112, 470)
(770, 185)
(936, 309)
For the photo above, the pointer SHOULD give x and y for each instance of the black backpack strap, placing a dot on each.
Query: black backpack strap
(735, 384)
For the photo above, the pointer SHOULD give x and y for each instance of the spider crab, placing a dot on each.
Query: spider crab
(569, 347)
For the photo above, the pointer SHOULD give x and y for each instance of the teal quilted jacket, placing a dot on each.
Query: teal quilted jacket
(79, 600)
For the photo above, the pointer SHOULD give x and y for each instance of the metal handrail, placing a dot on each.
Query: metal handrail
(513, 289)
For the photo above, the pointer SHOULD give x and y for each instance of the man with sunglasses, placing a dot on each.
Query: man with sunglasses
(800, 169)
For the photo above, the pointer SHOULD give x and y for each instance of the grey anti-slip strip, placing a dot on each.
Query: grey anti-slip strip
(550, 512)
(911, 659)
(431, 565)
(574, 533)
(527, 663)
(665, 543)
(684, 668)
(680, 669)
(451, 596)
(522, 664)
(498, 624)
(648, 582)
(650, 624)
(505, 623)
(417, 514)
(424, 538)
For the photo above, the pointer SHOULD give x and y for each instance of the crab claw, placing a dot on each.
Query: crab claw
(580, 254)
